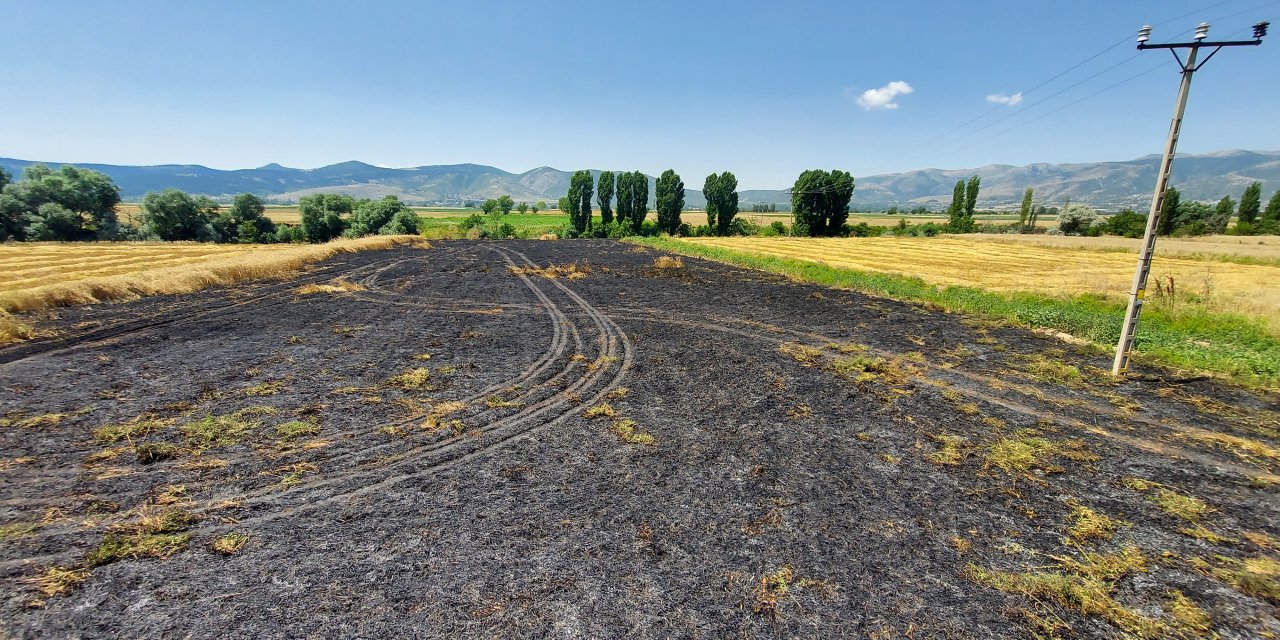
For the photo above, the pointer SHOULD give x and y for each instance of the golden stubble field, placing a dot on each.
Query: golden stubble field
(39, 276)
(1199, 268)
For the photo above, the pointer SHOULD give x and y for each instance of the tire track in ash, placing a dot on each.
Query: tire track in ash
(564, 331)
(427, 459)
(187, 312)
(969, 383)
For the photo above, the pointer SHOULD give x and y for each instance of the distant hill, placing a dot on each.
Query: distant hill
(1107, 185)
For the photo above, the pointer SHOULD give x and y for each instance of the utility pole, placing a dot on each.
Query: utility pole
(1137, 293)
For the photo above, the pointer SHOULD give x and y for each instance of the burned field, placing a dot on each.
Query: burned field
(589, 439)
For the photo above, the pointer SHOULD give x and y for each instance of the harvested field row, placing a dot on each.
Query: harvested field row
(159, 277)
(1009, 266)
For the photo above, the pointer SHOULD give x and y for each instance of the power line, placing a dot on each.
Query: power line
(912, 152)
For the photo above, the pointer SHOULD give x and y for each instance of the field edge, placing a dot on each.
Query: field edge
(1221, 345)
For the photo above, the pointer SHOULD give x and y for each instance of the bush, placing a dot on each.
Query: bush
(404, 222)
(778, 227)
(1076, 218)
(473, 221)
(1127, 223)
(743, 227)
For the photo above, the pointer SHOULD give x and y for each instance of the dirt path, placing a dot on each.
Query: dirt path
(415, 459)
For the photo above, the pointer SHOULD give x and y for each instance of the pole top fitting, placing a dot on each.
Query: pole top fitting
(1202, 31)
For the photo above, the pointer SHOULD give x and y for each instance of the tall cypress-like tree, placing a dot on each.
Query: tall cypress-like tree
(669, 192)
(623, 188)
(1169, 211)
(1272, 212)
(1222, 215)
(1024, 212)
(1251, 203)
(722, 201)
(956, 209)
(971, 197)
(604, 196)
(580, 188)
(639, 208)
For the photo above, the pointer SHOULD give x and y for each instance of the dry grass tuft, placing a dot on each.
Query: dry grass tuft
(668, 262)
(571, 271)
(631, 434)
(802, 353)
(602, 410)
(1189, 616)
(411, 379)
(1087, 524)
(1258, 577)
(230, 543)
(770, 591)
(1084, 586)
(57, 581)
(336, 286)
(952, 449)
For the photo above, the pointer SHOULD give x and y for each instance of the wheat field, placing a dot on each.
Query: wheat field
(999, 263)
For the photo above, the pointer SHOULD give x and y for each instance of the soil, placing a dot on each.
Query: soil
(793, 487)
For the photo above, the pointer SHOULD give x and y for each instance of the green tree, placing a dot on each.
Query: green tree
(669, 193)
(639, 206)
(176, 215)
(722, 201)
(1217, 223)
(370, 216)
(1251, 203)
(836, 200)
(245, 221)
(505, 203)
(523, 207)
(540, 205)
(971, 197)
(1169, 211)
(604, 196)
(90, 196)
(580, 188)
(623, 186)
(955, 212)
(820, 202)
(52, 221)
(1076, 218)
(322, 215)
(13, 218)
(1272, 212)
(5, 178)
(1024, 212)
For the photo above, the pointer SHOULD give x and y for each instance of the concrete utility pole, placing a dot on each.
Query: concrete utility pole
(1137, 293)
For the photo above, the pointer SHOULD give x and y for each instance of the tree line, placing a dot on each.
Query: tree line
(70, 204)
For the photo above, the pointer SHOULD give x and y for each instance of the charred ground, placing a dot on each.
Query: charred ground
(561, 438)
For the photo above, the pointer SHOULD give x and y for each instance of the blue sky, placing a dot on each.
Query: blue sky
(762, 89)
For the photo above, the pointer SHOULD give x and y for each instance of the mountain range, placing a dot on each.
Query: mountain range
(1106, 185)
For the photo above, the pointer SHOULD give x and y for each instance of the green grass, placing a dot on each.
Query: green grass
(527, 225)
(1222, 344)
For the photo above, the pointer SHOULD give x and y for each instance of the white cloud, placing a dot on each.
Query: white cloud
(1000, 98)
(883, 98)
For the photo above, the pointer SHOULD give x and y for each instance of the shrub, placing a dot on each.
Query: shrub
(1076, 218)
(778, 227)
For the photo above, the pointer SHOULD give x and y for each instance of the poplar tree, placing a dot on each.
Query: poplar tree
(669, 192)
(1251, 203)
(604, 196)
